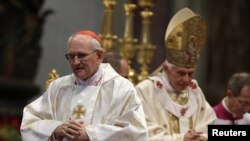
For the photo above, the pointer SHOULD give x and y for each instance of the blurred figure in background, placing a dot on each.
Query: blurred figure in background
(234, 107)
(117, 62)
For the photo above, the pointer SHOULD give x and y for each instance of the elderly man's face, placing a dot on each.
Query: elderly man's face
(180, 78)
(83, 57)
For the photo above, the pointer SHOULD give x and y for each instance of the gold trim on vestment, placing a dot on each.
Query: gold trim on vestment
(175, 125)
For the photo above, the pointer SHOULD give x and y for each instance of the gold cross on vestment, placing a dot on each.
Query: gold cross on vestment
(78, 111)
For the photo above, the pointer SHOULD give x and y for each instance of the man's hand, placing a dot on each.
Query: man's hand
(71, 129)
(192, 135)
(83, 136)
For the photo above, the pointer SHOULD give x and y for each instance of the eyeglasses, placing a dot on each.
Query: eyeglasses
(243, 103)
(80, 56)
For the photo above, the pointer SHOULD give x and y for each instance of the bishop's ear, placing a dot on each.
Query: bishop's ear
(100, 54)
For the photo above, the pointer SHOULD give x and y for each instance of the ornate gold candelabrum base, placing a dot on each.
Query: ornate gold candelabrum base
(144, 58)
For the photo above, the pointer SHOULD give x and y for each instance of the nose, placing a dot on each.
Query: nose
(76, 60)
(186, 78)
(185, 81)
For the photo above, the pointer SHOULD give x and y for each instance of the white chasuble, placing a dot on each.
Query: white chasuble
(182, 112)
(111, 111)
(161, 111)
(82, 103)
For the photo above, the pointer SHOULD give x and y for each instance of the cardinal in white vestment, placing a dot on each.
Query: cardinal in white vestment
(174, 105)
(94, 103)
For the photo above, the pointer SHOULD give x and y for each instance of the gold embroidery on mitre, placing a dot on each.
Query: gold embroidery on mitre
(185, 37)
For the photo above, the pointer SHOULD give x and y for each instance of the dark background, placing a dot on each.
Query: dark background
(22, 26)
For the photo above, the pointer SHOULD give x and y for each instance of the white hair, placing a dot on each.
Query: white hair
(96, 44)
(170, 65)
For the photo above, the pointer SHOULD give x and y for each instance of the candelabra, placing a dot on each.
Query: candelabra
(107, 35)
(145, 48)
(129, 47)
(52, 76)
(128, 41)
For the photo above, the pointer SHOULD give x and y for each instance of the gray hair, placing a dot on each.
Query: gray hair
(238, 81)
(96, 44)
(170, 65)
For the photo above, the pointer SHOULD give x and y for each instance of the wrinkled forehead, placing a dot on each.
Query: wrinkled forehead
(184, 69)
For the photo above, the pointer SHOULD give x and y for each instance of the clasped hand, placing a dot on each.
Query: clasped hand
(192, 135)
(73, 130)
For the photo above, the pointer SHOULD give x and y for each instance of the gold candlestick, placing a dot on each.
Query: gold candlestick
(146, 49)
(128, 41)
(146, 4)
(53, 75)
(107, 35)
